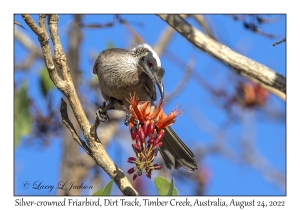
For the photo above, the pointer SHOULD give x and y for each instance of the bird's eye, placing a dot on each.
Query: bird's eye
(149, 63)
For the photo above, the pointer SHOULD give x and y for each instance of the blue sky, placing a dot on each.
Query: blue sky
(227, 176)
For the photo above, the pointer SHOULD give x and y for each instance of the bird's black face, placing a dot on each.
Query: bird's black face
(154, 71)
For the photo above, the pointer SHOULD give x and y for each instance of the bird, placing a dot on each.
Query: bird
(123, 72)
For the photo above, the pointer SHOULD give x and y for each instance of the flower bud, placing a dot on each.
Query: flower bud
(130, 171)
(150, 139)
(133, 132)
(159, 144)
(151, 127)
(141, 134)
(146, 128)
(160, 136)
(131, 160)
(148, 175)
(138, 142)
(136, 148)
(157, 167)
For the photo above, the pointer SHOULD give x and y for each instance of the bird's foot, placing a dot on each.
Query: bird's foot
(127, 119)
(102, 112)
(128, 115)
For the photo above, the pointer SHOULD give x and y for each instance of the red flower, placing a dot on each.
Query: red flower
(145, 112)
(251, 95)
(146, 128)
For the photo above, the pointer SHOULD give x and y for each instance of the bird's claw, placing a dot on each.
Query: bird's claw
(102, 113)
(127, 119)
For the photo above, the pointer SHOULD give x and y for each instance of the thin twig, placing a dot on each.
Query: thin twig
(276, 43)
(69, 125)
(138, 38)
(187, 74)
(201, 20)
(34, 51)
(195, 75)
(163, 40)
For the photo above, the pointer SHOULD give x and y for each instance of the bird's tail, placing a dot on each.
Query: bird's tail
(175, 153)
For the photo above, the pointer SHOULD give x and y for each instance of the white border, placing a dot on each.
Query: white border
(154, 6)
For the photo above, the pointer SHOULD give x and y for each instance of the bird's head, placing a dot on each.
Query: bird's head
(151, 65)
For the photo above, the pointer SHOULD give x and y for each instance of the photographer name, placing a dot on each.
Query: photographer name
(62, 185)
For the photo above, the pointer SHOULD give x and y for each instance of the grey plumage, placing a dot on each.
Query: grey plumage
(119, 75)
(124, 72)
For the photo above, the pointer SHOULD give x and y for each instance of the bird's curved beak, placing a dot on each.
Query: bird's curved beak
(160, 85)
(156, 77)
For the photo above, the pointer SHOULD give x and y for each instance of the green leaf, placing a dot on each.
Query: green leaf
(108, 188)
(170, 192)
(46, 83)
(99, 192)
(164, 186)
(22, 117)
(94, 80)
(17, 134)
(110, 45)
(106, 191)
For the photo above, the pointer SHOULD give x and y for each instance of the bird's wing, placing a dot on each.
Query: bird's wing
(175, 153)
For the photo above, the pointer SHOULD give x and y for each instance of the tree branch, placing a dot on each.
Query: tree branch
(254, 71)
(201, 20)
(75, 165)
(66, 86)
(69, 125)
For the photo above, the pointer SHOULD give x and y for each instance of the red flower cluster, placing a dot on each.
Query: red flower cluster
(146, 128)
(252, 95)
